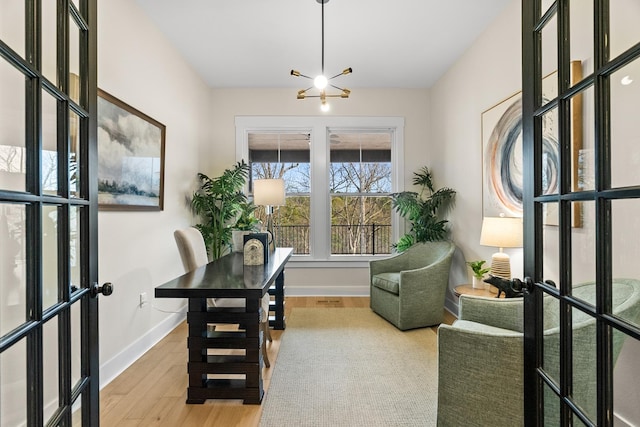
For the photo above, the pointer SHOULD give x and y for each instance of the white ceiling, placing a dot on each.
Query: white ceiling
(255, 43)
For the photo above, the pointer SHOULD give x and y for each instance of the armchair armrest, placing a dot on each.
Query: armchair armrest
(480, 377)
(393, 264)
(500, 313)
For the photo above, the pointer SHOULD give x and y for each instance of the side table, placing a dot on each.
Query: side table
(468, 289)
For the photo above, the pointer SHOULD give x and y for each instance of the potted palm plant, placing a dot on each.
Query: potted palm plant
(424, 210)
(218, 202)
(245, 223)
(478, 273)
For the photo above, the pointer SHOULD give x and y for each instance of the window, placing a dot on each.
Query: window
(339, 173)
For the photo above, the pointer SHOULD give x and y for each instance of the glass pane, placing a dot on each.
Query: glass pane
(546, 4)
(624, 30)
(76, 373)
(12, 267)
(12, 128)
(551, 407)
(360, 162)
(74, 154)
(287, 156)
(625, 133)
(50, 367)
(12, 30)
(549, 54)
(551, 350)
(49, 256)
(626, 379)
(13, 385)
(551, 242)
(74, 246)
(584, 355)
(583, 139)
(49, 144)
(581, 33)
(49, 41)
(360, 225)
(76, 416)
(74, 60)
(550, 153)
(291, 224)
(583, 244)
(577, 422)
(625, 218)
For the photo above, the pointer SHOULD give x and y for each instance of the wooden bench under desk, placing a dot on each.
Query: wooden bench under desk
(227, 277)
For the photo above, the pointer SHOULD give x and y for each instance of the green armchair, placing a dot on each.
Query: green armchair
(480, 376)
(409, 289)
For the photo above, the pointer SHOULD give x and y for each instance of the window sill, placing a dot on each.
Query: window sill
(355, 261)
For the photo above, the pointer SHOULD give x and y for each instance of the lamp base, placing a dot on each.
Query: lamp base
(501, 265)
(272, 237)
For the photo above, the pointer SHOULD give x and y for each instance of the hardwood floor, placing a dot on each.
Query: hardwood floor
(152, 391)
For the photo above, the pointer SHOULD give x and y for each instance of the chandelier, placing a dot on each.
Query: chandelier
(321, 82)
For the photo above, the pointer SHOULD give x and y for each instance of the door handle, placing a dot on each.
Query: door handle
(106, 289)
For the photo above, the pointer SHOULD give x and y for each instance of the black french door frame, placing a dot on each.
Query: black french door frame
(81, 198)
(534, 20)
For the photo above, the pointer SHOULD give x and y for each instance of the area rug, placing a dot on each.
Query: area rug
(350, 367)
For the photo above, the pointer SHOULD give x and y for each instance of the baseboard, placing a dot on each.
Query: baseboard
(113, 367)
(451, 307)
(620, 421)
(327, 290)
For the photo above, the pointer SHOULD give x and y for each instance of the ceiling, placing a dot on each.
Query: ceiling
(255, 43)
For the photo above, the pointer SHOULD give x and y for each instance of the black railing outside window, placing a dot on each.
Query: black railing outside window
(368, 239)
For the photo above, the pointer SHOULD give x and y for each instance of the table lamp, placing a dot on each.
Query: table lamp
(269, 193)
(501, 232)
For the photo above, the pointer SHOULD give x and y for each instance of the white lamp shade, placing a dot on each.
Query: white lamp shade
(268, 192)
(501, 232)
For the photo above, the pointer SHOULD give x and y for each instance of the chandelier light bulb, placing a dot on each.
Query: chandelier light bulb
(324, 107)
(320, 82)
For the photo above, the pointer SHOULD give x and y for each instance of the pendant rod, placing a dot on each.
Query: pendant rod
(323, 38)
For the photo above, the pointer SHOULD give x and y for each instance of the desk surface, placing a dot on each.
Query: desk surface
(227, 277)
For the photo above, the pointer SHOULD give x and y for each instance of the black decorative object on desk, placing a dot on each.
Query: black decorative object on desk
(256, 249)
(504, 285)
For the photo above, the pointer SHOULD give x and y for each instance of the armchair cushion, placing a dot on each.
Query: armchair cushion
(387, 281)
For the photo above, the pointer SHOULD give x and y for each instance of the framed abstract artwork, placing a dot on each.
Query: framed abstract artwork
(130, 157)
(502, 162)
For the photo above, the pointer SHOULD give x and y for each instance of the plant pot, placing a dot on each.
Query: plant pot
(477, 283)
(237, 237)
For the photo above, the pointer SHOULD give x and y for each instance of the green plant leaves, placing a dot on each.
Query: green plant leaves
(423, 212)
(218, 201)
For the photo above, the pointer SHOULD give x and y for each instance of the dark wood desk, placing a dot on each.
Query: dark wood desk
(227, 277)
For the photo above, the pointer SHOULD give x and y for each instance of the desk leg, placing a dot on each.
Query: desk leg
(278, 306)
(197, 353)
(208, 353)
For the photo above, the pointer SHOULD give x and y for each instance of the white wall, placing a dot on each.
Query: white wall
(489, 72)
(136, 249)
(412, 104)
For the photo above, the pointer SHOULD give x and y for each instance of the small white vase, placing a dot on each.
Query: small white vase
(477, 283)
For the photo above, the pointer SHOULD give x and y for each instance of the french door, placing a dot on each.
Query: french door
(48, 214)
(582, 313)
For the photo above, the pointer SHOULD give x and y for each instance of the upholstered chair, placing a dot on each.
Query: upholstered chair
(480, 366)
(408, 289)
(193, 253)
